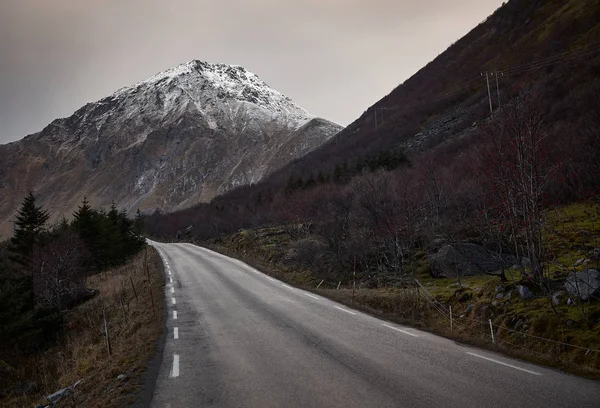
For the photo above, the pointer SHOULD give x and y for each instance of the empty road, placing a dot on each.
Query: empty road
(239, 338)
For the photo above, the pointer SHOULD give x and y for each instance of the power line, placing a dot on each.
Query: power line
(513, 71)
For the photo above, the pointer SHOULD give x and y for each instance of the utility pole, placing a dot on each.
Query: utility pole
(487, 79)
(497, 74)
(378, 114)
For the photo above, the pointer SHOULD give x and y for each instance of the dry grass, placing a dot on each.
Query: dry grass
(408, 306)
(81, 352)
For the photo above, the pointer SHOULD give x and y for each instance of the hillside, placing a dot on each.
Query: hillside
(169, 142)
(552, 46)
(441, 113)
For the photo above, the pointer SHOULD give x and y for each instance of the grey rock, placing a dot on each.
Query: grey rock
(30, 387)
(467, 260)
(524, 292)
(469, 309)
(500, 288)
(59, 395)
(121, 377)
(495, 303)
(580, 262)
(584, 284)
(500, 296)
(570, 302)
(556, 297)
(508, 295)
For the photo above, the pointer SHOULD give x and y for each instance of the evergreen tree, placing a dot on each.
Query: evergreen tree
(320, 178)
(30, 226)
(337, 173)
(138, 223)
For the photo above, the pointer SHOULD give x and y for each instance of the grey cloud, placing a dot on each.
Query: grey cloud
(333, 57)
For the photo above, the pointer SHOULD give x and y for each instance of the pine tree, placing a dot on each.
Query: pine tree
(138, 223)
(29, 229)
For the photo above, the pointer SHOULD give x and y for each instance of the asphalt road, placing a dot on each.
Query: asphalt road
(239, 338)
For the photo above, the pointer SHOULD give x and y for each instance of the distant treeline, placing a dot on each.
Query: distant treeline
(342, 173)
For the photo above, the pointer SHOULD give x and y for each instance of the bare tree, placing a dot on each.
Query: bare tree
(59, 271)
(517, 167)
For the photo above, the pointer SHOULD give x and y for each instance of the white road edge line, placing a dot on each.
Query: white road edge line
(173, 300)
(309, 295)
(175, 371)
(345, 310)
(174, 314)
(286, 285)
(176, 333)
(399, 330)
(503, 363)
(269, 278)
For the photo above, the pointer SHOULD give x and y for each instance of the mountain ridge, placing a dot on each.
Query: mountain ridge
(175, 139)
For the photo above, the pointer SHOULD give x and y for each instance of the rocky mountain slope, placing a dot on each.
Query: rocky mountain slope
(176, 139)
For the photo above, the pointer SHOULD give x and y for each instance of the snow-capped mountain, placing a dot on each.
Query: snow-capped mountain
(178, 138)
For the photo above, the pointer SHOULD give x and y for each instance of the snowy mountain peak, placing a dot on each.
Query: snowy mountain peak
(207, 85)
(180, 137)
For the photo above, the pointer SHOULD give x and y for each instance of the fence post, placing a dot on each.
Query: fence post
(133, 286)
(320, 283)
(492, 331)
(338, 288)
(150, 289)
(106, 332)
(354, 280)
(450, 317)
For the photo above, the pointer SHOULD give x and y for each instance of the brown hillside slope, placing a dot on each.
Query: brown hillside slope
(552, 44)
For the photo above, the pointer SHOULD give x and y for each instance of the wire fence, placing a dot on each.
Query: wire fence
(466, 325)
(471, 326)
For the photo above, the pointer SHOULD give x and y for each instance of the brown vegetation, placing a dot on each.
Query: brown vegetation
(80, 351)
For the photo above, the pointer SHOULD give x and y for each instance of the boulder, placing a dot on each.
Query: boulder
(469, 309)
(557, 296)
(584, 284)
(59, 395)
(524, 292)
(467, 260)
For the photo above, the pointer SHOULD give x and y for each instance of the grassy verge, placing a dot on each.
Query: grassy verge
(81, 352)
(519, 325)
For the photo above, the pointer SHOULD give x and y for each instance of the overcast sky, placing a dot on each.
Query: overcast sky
(335, 58)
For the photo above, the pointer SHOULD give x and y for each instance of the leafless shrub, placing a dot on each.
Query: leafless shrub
(59, 271)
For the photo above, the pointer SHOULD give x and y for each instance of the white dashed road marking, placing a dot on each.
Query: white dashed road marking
(503, 363)
(345, 310)
(172, 289)
(174, 314)
(175, 370)
(399, 330)
(309, 295)
(173, 300)
(176, 333)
